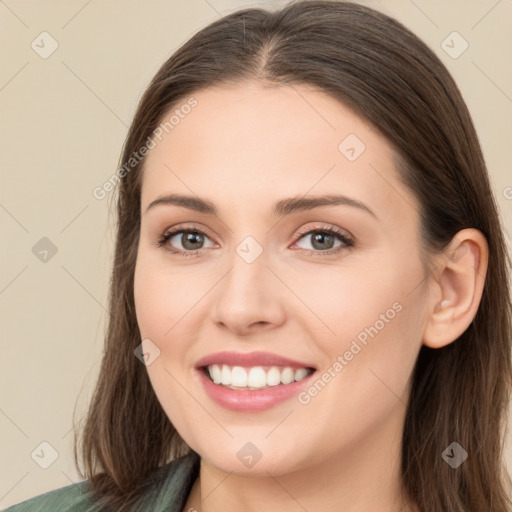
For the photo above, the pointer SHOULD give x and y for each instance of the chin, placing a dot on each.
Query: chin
(258, 458)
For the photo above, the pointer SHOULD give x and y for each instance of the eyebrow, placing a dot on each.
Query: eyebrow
(281, 208)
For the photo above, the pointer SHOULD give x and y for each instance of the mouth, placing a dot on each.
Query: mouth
(254, 377)
(252, 381)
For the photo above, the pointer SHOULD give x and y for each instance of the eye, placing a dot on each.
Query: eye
(323, 239)
(190, 238)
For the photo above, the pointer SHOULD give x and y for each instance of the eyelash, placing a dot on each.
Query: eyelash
(347, 241)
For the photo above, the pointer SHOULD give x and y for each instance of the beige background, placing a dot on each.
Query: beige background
(64, 119)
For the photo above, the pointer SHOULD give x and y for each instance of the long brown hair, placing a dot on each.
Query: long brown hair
(376, 66)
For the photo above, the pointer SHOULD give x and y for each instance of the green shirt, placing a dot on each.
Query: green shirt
(169, 492)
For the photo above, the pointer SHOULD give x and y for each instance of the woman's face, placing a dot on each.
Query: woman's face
(267, 280)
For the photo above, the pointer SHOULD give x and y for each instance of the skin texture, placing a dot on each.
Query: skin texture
(244, 147)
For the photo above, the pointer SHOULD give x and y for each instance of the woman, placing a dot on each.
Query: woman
(309, 306)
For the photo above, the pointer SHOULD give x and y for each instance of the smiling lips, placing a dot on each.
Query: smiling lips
(251, 381)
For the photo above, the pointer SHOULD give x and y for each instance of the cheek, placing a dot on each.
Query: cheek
(345, 301)
(163, 296)
(367, 369)
(154, 305)
(374, 322)
(176, 399)
(161, 300)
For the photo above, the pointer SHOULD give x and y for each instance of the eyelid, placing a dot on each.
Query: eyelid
(324, 227)
(187, 226)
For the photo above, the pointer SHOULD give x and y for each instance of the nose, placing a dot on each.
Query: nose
(250, 298)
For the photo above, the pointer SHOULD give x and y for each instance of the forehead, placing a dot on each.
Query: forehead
(252, 140)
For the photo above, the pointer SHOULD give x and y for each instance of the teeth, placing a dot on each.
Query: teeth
(255, 377)
(273, 376)
(215, 373)
(301, 373)
(238, 377)
(225, 376)
(287, 376)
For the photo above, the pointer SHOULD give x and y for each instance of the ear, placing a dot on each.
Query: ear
(456, 288)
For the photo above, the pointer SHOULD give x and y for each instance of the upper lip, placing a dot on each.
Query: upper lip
(250, 359)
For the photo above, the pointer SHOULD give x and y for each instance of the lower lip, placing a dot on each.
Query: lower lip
(251, 400)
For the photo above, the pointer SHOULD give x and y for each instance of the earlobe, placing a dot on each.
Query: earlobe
(457, 288)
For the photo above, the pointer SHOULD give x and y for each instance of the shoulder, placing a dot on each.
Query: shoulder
(167, 489)
(170, 485)
(73, 497)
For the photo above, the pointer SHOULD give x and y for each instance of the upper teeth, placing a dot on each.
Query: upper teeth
(255, 377)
